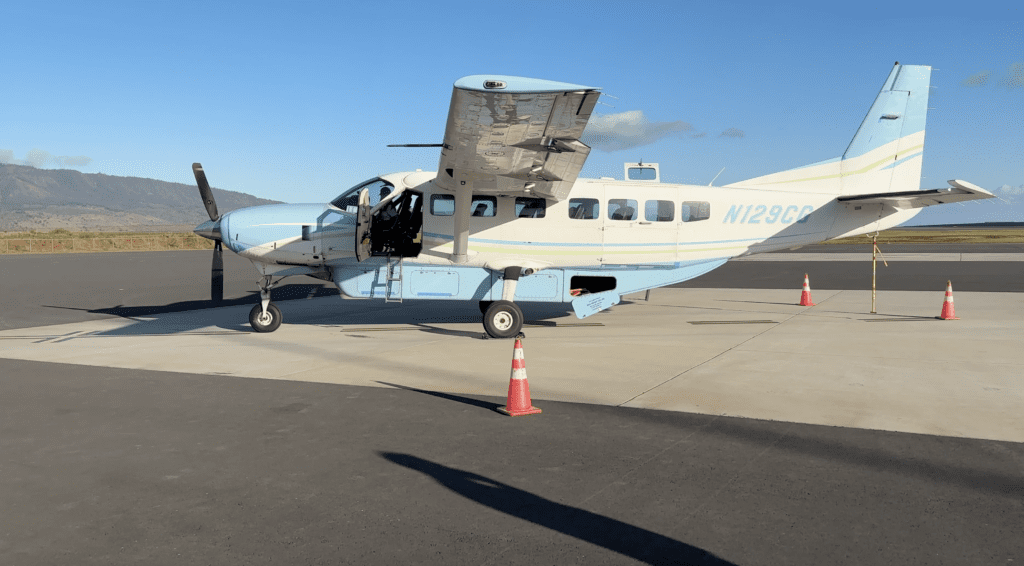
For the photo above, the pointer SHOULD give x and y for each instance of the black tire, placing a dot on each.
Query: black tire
(256, 316)
(503, 319)
(484, 305)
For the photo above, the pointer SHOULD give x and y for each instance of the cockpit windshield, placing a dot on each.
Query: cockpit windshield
(349, 200)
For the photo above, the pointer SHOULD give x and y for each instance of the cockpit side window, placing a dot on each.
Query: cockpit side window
(349, 200)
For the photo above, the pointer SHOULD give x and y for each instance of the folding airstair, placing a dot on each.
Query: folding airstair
(394, 278)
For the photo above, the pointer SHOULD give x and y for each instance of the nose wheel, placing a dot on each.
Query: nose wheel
(265, 321)
(265, 317)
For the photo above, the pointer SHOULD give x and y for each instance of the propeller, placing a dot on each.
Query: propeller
(211, 230)
(205, 191)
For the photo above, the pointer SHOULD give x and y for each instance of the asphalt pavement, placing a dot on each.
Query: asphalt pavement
(103, 465)
(44, 289)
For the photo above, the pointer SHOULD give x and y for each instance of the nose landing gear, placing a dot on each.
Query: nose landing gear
(265, 317)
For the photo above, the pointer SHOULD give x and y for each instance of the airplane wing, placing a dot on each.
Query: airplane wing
(958, 191)
(515, 136)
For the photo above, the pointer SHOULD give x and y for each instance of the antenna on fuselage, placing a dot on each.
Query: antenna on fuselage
(716, 176)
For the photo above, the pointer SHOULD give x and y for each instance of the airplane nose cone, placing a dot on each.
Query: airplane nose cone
(209, 229)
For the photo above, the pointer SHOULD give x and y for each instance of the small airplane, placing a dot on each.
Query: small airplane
(505, 219)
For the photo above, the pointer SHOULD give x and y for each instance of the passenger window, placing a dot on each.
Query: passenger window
(584, 208)
(484, 206)
(659, 211)
(621, 209)
(527, 207)
(442, 205)
(694, 211)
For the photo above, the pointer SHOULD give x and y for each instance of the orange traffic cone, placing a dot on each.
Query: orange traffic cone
(805, 296)
(518, 387)
(948, 312)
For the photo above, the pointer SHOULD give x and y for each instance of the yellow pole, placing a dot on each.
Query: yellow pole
(874, 263)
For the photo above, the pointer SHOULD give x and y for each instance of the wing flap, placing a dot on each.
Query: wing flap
(515, 136)
(958, 191)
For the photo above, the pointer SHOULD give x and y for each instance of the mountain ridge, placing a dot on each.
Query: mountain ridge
(34, 199)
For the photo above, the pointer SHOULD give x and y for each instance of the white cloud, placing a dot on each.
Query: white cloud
(41, 158)
(977, 79)
(732, 133)
(1010, 190)
(38, 158)
(1014, 77)
(626, 130)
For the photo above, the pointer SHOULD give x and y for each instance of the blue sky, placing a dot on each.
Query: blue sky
(297, 101)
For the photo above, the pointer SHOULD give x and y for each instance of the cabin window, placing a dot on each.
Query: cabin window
(442, 205)
(584, 208)
(484, 206)
(642, 173)
(659, 211)
(693, 211)
(527, 207)
(621, 209)
(349, 200)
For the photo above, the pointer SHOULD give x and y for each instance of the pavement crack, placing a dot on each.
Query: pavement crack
(720, 354)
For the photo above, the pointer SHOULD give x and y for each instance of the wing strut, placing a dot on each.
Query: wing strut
(460, 233)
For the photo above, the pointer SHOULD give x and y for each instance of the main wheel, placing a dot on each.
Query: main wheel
(265, 322)
(503, 319)
(484, 305)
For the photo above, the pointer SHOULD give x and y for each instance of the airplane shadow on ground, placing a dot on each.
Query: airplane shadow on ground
(866, 449)
(326, 310)
(628, 540)
(490, 405)
(283, 293)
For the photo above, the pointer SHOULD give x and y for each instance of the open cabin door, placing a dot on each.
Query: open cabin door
(363, 221)
(392, 227)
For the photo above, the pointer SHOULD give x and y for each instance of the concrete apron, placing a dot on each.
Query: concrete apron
(746, 353)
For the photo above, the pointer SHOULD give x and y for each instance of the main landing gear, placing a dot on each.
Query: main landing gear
(265, 317)
(504, 318)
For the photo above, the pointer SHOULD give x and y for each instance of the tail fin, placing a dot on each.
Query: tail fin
(885, 154)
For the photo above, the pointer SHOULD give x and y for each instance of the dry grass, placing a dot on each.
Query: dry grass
(984, 236)
(65, 241)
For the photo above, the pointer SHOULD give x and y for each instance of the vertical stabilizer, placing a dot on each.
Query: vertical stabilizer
(885, 154)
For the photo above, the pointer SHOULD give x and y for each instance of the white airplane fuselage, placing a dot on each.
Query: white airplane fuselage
(660, 244)
(506, 219)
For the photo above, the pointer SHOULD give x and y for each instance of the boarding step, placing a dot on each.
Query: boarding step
(394, 276)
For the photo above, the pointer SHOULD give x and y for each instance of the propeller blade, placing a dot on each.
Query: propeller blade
(205, 191)
(217, 273)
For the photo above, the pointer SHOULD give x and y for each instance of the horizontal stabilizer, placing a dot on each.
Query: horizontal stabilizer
(958, 191)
